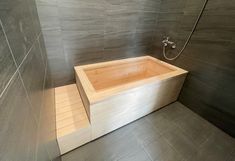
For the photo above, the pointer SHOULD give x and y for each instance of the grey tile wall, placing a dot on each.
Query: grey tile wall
(7, 65)
(209, 87)
(14, 123)
(79, 32)
(17, 20)
(26, 94)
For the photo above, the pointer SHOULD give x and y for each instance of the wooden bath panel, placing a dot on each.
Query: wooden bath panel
(113, 94)
(109, 76)
(121, 91)
(72, 125)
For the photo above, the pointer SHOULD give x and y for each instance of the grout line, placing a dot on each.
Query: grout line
(35, 41)
(150, 158)
(8, 44)
(34, 117)
(27, 95)
(41, 53)
(27, 53)
(31, 111)
(39, 123)
(8, 83)
(18, 71)
(43, 95)
(17, 67)
(175, 149)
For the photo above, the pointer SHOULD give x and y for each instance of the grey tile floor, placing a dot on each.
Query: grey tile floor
(173, 133)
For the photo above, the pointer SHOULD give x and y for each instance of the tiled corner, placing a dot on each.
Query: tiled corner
(32, 72)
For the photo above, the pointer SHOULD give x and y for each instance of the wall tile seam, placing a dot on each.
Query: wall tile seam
(44, 82)
(17, 71)
(148, 155)
(31, 110)
(32, 16)
(40, 48)
(29, 101)
(8, 83)
(154, 31)
(8, 44)
(28, 98)
(217, 66)
(43, 92)
(17, 67)
(27, 53)
(59, 29)
(138, 10)
(64, 54)
(57, 5)
(39, 123)
(22, 83)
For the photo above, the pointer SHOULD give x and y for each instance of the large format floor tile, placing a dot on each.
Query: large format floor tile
(173, 133)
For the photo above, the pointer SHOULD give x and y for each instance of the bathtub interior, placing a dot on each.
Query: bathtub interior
(112, 75)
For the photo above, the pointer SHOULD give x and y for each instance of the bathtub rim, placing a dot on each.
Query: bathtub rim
(97, 96)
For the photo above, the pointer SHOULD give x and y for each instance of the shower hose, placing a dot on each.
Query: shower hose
(189, 37)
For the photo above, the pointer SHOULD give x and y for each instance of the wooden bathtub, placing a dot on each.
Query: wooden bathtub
(116, 93)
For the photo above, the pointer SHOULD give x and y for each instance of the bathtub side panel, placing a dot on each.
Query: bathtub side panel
(132, 104)
(83, 96)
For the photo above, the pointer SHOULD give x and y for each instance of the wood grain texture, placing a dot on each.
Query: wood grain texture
(113, 104)
(105, 77)
(72, 124)
(94, 95)
(124, 108)
(94, 112)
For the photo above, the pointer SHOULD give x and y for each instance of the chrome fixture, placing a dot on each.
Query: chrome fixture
(173, 46)
(167, 42)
